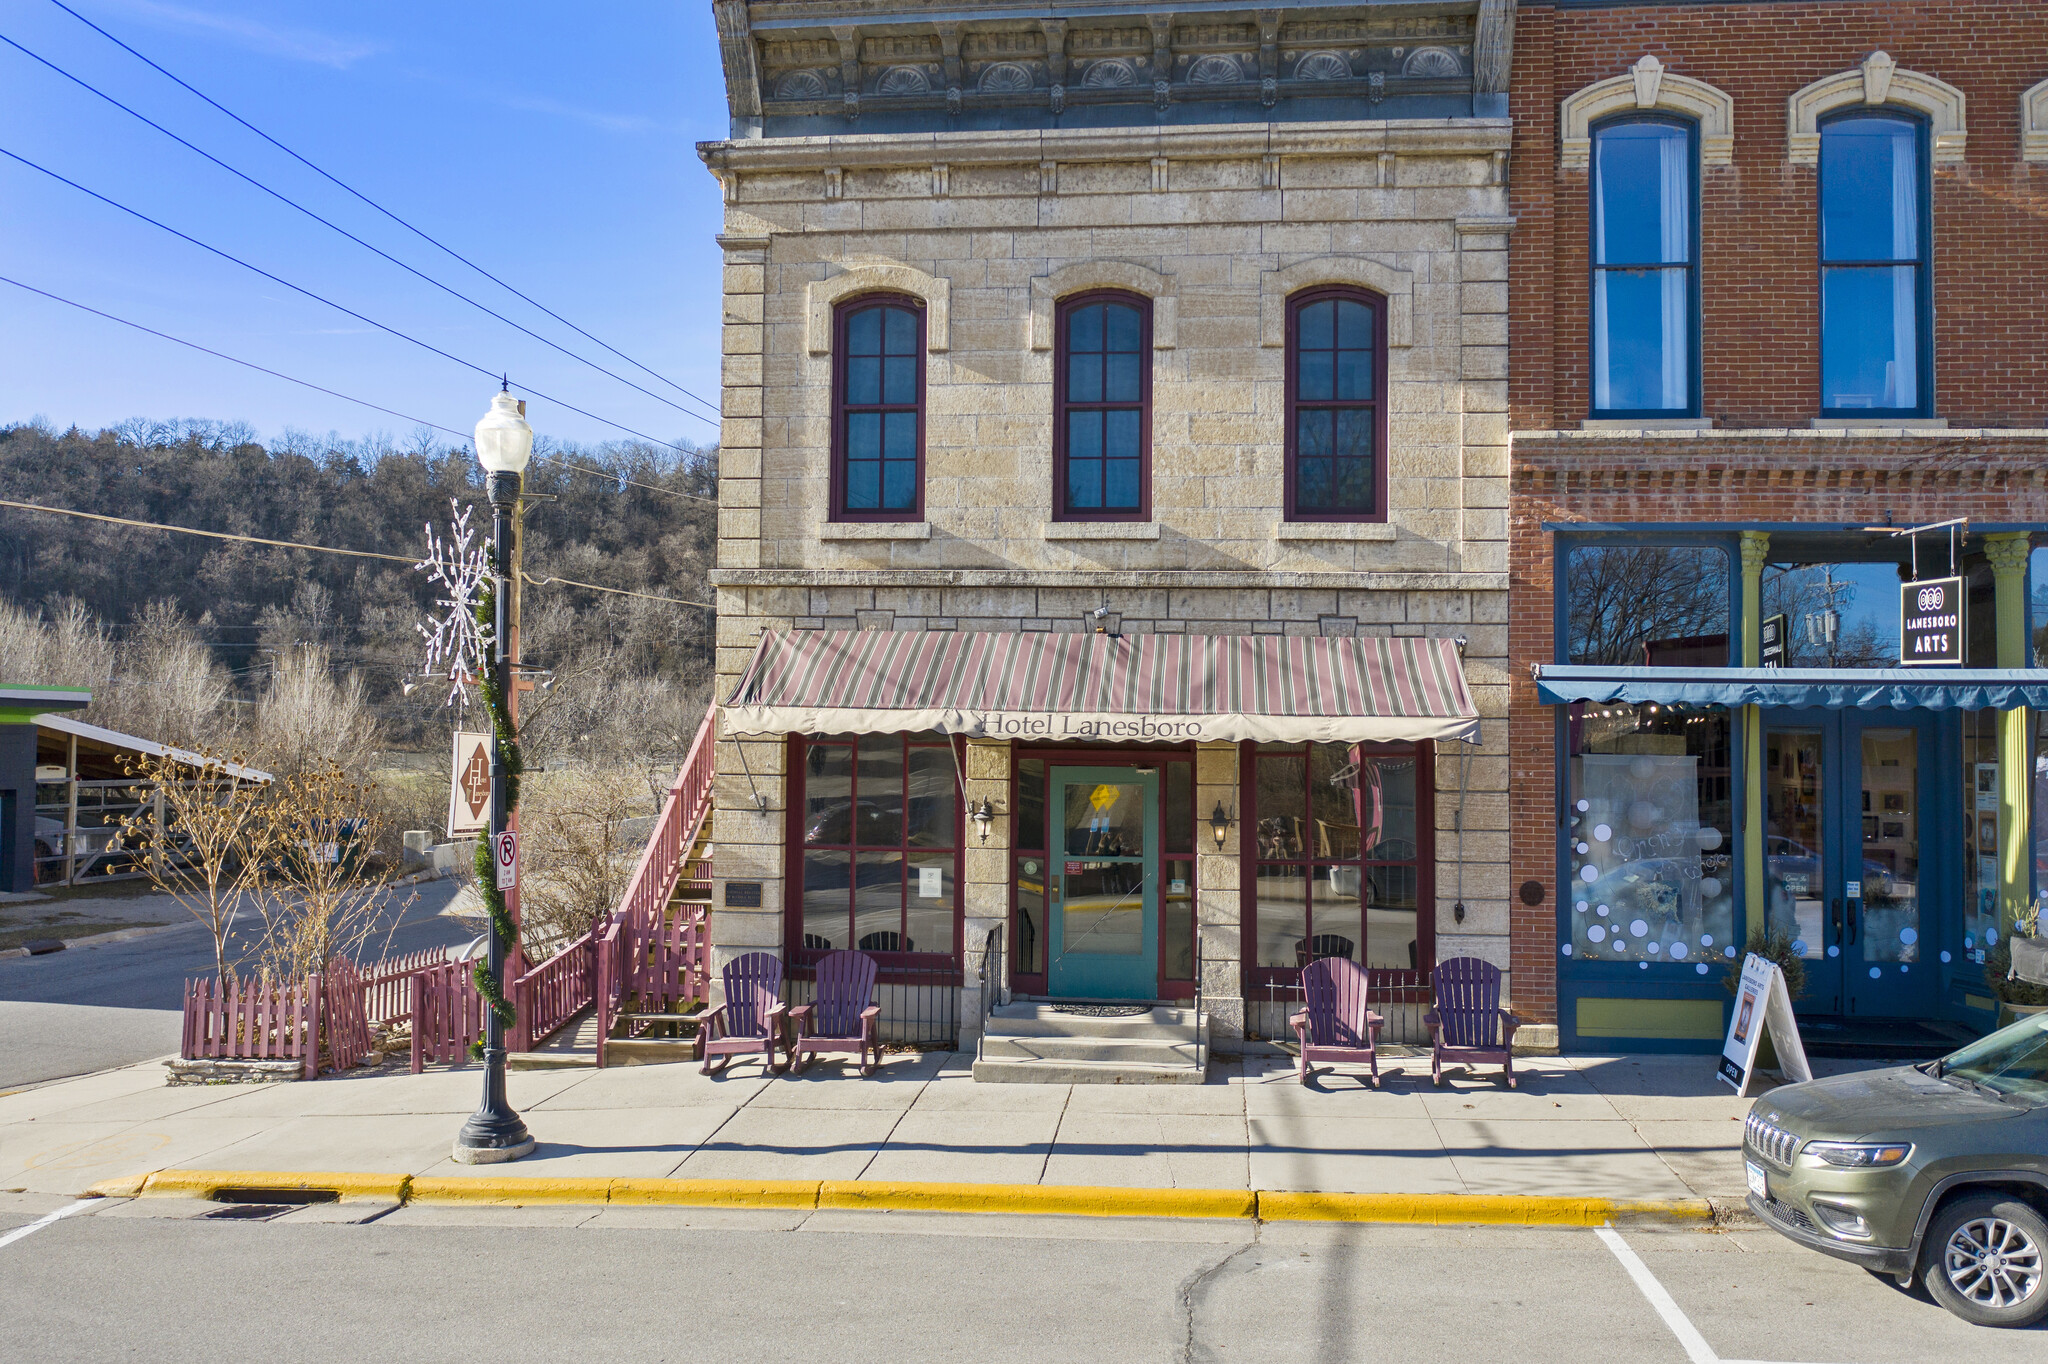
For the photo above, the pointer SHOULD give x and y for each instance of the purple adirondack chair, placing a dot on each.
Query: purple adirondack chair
(1468, 1023)
(750, 1020)
(841, 1017)
(1335, 1024)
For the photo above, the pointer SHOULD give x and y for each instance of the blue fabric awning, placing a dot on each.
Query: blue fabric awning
(1826, 688)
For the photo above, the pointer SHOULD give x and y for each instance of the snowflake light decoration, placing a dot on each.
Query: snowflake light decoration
(458, 643)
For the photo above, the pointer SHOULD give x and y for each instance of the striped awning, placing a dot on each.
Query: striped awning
(1122, 688)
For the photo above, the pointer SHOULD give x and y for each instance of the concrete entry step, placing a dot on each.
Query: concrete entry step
(1046, 1043)
(1041, 1019)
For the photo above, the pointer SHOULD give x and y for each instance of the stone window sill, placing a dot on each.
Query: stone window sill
(875, 530)
(1647, 424)
(1334, 531)
(1878, 424)
(1101, 530)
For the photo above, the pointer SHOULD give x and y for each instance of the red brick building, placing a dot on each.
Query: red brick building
(1776, 287)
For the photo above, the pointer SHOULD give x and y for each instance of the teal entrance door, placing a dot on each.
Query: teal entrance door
(1104, 917)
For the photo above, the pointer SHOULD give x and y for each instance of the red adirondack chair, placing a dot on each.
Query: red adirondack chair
(750, 1020)
(1468, 1023)
(841, 1017)
(1335, 1024)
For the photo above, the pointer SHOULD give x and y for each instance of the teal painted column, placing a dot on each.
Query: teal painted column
(2008, 556)
(1756, 547)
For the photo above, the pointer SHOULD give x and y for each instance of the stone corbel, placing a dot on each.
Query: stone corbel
(848, 38)
(1163, 290)
(1055, 61)
(877, 277)
(1878, 81)
(1396, 286)
(1649, 84)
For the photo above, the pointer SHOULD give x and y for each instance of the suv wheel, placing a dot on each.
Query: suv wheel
(1987, 1260)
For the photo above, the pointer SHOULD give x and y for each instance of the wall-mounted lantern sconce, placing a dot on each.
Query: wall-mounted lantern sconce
(1219, 825)
(984, 817)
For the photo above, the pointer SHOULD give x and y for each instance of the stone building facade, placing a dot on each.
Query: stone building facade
(987, 175)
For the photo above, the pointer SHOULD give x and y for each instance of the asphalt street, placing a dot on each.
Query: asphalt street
(100, 1005)
(146, 1279)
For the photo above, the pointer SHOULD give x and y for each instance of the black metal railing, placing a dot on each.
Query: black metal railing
(995, 981)
(1400, 997)
(920, 1003)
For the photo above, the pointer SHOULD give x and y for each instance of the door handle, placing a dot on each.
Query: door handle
(1835, 913)
(1855, 922)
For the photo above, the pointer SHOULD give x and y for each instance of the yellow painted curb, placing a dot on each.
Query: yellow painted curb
(1072, 1199)
(128, 1186)
(1490, 1209)
(507, 1192)
(350, 1187)
(716, 1193)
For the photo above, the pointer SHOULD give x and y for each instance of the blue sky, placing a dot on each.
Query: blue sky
(551, 143)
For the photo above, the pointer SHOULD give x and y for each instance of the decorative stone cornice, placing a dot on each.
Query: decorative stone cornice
(1395, 285)
(1756, 551)
(1647, 86)
(2034, 123)
(1163, 290)
(2007, 553)
(1878, 81)
(868, 276)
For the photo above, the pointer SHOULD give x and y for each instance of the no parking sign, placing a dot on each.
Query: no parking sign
(505, 852)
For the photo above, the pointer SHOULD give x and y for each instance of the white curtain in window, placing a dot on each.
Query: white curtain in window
(1603, 348)
(1902, 374)
(1675, 176)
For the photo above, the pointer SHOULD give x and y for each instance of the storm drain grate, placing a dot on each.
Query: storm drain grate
(250, 1212)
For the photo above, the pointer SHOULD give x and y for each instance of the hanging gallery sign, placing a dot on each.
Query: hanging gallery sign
(469, 790)
(1762, 1006)
(1931, 623)
(1771, 641)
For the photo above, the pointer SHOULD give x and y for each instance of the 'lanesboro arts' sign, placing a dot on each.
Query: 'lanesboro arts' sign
(1931, 622)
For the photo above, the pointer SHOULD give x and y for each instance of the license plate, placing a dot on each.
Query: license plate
(1758, 1183)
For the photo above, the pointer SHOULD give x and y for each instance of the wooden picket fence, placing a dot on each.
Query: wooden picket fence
(387, 986)
(555, 991)
(347, 1030)
(447, 1014)
(248, 1019)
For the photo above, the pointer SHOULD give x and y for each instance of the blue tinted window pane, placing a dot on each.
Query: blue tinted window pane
(864, 435)
(1642, 324)
(863, 485)
(1084, 328)
(1312, 483)
(1354, 324)
(1120, 382)
(1316, 326)
(1313, 433)
(1121, 480)
(1869, 190)
(901, 385)
(1869, 338)
(863, 380)
(899, 485)
(1353, 490)
(1315, 380)
(1354, 374)
(1084, 435)
(1642, 200)
(1123, 327)
(1120, 434)
(864, 332)
(899, 435)
(902, 335)
(1354, 432)
(1084, 378)
(1084, 484)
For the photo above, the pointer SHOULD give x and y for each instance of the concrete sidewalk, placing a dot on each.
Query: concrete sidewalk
(1624, 1128)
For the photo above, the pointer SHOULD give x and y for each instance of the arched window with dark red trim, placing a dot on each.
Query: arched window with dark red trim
(1102, 407)
(1336, 405)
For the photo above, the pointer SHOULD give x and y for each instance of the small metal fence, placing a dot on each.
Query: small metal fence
(1400, 997)
(920, 1003)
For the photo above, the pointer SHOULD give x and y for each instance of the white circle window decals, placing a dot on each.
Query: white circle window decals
(1968, 942)
(1642, 966)
(1596, 933)
(1876, 972)
(1706, 940)
(1728, 952)
(1909, 936)
(1991, 937)
(1582, 906)
(1583, 850)
(1903, 968)
(1708, 838)
(1701, 968)
(1639, 928)
(1591, 874)
(1582, 807)
(1710, 886)
(1601, 833)
(1679, 951)
(1833, 951)
(1944, 957)
(1602, 911)
(1654, 948)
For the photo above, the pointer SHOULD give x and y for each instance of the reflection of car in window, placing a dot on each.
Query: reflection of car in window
(1797, 867)
(834, 825)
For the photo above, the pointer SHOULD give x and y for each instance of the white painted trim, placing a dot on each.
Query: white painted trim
(1395, 285)
(1647, 86)
(1048, 290)
(874, 277)
(1879, 80)
(2034, 123)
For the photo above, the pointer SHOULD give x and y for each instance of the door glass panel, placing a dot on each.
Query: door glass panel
(1105, 819)
(1795, 879)
(1104, 908)
(1177, 916)
(1890, 929)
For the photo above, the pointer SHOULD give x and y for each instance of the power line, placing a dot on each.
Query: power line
(349, 312)
(343, 185)
(327, 549)
(292, 203)
(360, 402)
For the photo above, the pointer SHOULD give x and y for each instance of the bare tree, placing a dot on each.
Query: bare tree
(321, 889)
(576, 852)
(213, 839)
(1622, 597)
(306, 719)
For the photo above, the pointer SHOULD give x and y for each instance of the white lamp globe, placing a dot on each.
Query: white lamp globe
(504, 442)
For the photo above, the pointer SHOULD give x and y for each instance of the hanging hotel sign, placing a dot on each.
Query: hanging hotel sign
(1771, 646)
(1762, 1004)
(1931, 623)
(469, 792)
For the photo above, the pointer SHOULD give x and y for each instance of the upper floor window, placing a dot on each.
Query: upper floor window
(1645, 278)
(1874, 356)
(1102, 408)
(878, 411)
(1336, 406)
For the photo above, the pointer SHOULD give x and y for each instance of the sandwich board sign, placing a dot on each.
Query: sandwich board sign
(1762, 1006)
(469, 792)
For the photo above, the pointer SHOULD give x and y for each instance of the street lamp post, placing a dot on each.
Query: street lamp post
(504, 442)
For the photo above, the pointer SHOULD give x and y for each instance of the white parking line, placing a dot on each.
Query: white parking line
(80, 1206)
(1696, 1348)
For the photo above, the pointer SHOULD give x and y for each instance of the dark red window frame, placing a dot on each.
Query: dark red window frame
(1377, 403)
(795, 847)
(1425, 873)
(1062, 405)
(841, 313)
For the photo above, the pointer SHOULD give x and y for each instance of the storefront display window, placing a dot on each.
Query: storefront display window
(1341, 846)
(1634, 605)
(1980, 833)
(1650, 831)
(880, 844)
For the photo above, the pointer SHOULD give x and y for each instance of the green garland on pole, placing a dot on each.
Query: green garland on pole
(487, 982)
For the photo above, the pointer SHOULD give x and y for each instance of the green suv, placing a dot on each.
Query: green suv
(1938, 1171)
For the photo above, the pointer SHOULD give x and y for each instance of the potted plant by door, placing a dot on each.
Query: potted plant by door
(2020, 991)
